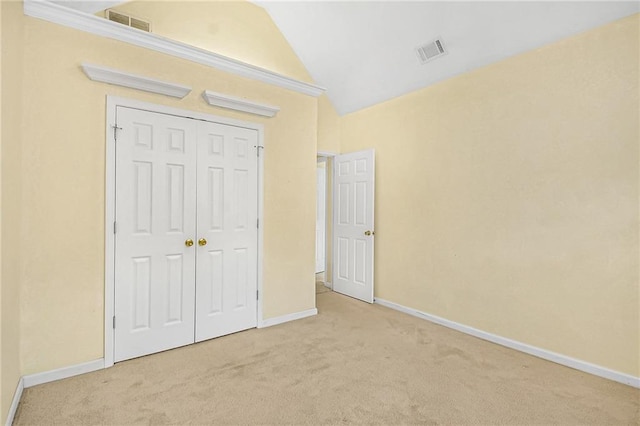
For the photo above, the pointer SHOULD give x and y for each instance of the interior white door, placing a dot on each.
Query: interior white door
(227, 230)
(321, 206)
(353, 230)
(155, 215)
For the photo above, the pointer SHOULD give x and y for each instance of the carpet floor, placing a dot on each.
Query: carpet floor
(352, 363)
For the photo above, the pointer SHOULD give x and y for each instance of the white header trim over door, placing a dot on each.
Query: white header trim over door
(72, 18)
(110, 196)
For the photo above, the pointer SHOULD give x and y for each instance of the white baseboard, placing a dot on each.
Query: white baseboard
(62, 373)
(14, 403)
(328, 285)
(577, 364)
(289, 317)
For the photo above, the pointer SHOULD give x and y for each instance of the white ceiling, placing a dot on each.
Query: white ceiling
(363, 52)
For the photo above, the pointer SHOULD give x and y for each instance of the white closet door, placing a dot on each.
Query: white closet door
(353, 231)
(227, 209)
(155, 215)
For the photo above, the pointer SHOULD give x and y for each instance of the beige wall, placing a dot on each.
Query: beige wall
(328, 141)
(328, 126)
(61, 136)
(215, 25)
(10, 239)
(507, 198)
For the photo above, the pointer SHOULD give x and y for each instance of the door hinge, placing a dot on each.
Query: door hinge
(115, 132)
(257, 294)
(114, 321)
(114, 226)
(257, 223)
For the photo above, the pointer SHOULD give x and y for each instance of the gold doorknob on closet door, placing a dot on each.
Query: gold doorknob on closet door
(189, 242)
(202, 242)
(367, 233)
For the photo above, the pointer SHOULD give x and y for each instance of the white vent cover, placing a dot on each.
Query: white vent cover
(431, 51)
(127, 20)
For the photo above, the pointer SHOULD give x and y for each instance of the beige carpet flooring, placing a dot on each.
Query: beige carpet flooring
(353, 363)
(321, 288)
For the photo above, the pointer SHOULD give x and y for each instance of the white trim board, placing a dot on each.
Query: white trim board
(238, 104)
(72, 18)
(134, 81)
(577, 364)
(286, 318)
(13, 408)
(62, 373)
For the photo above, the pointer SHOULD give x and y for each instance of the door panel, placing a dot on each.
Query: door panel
(155, 199)
(353, 211)
(227, 197)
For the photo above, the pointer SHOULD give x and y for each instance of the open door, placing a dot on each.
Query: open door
(353, 230)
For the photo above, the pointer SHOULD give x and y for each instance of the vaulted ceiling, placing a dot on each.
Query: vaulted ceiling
(364, 52)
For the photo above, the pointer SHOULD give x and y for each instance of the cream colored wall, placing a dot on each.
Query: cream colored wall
(62, 205)
(214, 25)
(10, 238)
(507, 198)
(328, 141)
(328, 126)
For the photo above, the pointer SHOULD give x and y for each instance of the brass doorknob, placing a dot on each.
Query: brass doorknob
(202, 242)
(367, 233)
(189, 242)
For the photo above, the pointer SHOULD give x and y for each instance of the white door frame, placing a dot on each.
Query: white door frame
(321, 159)
(110, 202)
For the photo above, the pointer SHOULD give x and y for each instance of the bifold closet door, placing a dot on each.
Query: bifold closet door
(155, 216)
(227, 206)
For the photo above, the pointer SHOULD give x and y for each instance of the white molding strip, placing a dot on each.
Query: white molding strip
(328, 284)
(72, 18)
(14, 403)
(134, 81)
(239, 104)
(62, 373)
(577, 364)
(326, 154)
(289, 317)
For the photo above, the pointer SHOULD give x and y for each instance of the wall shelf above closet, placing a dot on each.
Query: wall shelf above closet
(134, 81)
(239, 104)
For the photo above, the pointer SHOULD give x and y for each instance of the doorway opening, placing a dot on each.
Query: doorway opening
(323, 223)
(349, 191)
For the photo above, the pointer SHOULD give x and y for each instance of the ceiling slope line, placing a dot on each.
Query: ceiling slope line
(71, 18)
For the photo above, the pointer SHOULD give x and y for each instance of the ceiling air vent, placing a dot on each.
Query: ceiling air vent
(431, 51)
(127, 20)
